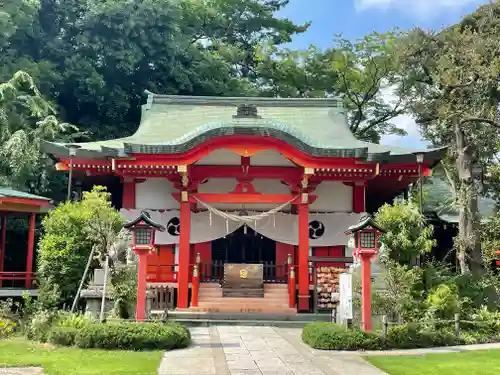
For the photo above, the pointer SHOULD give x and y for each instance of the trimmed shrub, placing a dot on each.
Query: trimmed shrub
(406, 336)
(64, 336)
(336, 337)
(133, 336)
(7, 327)
(403, 336)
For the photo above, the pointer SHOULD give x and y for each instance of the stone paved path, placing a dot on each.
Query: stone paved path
(239, 350)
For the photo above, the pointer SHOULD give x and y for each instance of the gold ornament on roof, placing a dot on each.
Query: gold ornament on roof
(246, 111)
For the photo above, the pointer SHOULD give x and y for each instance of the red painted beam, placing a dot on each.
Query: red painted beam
(25, 201)
(242, 198)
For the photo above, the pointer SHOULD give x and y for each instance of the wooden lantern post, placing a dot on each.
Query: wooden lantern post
(143, 230)
(366, 233)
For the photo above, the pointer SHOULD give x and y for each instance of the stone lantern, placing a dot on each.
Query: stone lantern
(143, 230)
(366, 234)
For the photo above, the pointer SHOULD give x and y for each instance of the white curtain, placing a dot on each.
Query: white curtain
(324, 229)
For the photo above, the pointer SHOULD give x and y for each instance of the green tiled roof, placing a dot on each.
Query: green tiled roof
(174, 124)
(10, 193)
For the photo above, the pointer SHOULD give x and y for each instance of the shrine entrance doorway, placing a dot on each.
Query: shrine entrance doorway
(245, 246)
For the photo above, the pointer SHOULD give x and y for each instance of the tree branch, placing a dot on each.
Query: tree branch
(480, 119)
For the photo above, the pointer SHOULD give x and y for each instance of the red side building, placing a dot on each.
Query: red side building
(290, 169)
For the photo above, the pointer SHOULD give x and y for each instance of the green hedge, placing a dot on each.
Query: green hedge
(122, 335)
(322, 335)
(336, 337)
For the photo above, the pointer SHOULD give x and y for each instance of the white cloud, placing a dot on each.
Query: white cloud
(420, 8)
(412, 140)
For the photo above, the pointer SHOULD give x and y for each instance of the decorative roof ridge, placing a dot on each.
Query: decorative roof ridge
(145, 217)
(365, 221)
(232, 101)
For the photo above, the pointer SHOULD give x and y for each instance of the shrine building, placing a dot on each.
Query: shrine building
(254, 194)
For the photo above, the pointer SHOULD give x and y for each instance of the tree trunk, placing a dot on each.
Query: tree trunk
(468, 242)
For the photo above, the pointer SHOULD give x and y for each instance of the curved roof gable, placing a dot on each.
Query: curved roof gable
(173, 124)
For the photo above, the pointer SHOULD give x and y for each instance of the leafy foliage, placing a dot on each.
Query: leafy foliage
(362, 73)
(70, 232)
(454, 96)
(7, 327)
(407, 233)
(27, 118)
(401, 294)
(490, 240)
(123, 289)
(96, 58)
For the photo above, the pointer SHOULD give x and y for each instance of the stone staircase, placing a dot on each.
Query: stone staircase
(274, 301)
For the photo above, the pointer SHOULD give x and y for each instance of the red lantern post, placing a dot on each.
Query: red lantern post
(366, 233)
(143, 230)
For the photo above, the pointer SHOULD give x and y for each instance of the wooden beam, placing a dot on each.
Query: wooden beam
(332, 259)
(243, 198)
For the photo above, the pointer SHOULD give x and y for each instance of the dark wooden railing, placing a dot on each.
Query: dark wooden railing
(163, 299)
(17, 279)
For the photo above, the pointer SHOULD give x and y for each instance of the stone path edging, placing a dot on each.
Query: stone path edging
(423, 351)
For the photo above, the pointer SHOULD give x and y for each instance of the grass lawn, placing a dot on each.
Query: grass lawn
(482, 362)
(73, 361)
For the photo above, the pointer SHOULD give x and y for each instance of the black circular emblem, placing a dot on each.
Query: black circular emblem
(174, 226)
(316, 229)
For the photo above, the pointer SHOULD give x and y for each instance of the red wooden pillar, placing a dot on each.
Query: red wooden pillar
(303, 257)
(366, 291)
(128, 196)
(142, 270)
(184, 252)
(2, 243)
(358, 197)
(31, 249)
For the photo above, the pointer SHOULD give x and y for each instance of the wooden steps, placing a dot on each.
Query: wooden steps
(275, 300)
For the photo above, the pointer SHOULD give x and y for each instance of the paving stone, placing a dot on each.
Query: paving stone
(246, 372)
(242, 365)
(261, 350)
(198, 366)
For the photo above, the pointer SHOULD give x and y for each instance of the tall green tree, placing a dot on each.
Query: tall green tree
(27, 118)
(237, 29)
(96, 58)
(69, 234)
(455, 97)
(365, 73)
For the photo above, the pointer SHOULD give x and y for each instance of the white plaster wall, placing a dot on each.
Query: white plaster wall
(333, 196)
(220, 157)
(155, 193)
(270, 158)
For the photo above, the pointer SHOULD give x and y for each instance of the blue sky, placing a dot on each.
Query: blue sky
(355, 18)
